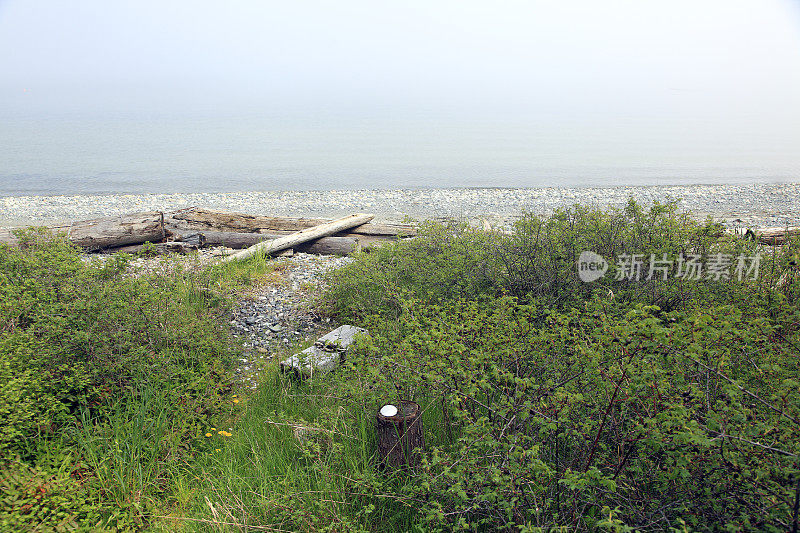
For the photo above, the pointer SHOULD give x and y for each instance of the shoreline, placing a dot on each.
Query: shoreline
(755, 205)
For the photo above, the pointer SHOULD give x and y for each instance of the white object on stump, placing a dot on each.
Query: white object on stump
(388, 410)
(325, 354)
(308, 234)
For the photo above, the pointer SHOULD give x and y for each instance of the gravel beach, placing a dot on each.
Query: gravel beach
(755, 205)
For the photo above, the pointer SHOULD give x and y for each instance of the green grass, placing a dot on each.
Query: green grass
(300, 459)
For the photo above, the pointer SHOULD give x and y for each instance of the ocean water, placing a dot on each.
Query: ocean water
(107, 153)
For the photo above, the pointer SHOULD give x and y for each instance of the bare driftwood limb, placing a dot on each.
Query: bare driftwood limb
(135, 228)
(204, 219)
(300, 237)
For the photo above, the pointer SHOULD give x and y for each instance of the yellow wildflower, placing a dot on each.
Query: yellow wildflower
(208, 434)
(236, 400)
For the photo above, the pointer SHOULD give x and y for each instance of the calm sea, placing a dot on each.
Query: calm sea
(156, 154)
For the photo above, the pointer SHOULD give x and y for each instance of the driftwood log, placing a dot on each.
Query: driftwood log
(400, 435)
(7, 237)
(204, 219)
(300, 237)
(108, 232)
(237, 241)
(773, 236)
(118, 231)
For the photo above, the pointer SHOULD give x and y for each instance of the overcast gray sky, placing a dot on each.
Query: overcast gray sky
(695, 57)
(705, 83)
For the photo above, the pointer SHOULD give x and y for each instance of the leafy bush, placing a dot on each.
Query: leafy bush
(653, 419)
(450, 260)
(537, 261)
(121, 370)
(619, 404)
(77, 335)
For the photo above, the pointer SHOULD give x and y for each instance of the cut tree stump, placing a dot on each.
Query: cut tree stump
(302, 236)
(400, 435)
(325, 354)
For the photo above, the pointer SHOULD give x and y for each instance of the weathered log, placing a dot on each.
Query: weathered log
(306, 235)
(7, 237)
(205, 219)
(773, 236)
(161, 248)
(325, 354)
(111, 232)
(237, 241)
(330, 246)
(197, 239)
(400, 435)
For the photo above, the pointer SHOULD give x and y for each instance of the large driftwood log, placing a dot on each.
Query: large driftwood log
(303, 236)
(774, 236)
(400, 434)
(204, 219)
(330, 246)
(237, 241)
(111, 232)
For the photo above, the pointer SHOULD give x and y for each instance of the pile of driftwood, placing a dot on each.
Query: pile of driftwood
(192, 228)
(773, 236)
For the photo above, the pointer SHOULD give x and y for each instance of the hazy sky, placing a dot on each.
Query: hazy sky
(707, 83)
(696, 58)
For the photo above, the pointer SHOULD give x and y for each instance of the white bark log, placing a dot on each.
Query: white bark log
(309, 234)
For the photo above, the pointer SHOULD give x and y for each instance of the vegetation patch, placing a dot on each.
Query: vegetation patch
(548, 403)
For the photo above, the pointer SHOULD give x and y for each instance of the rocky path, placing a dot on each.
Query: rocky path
(277, 313)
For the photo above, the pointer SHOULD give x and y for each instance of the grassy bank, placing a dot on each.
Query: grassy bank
(548, 403)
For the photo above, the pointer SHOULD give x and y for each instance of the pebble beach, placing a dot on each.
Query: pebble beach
(750, 205)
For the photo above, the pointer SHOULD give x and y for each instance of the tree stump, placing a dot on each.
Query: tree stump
(400, 435)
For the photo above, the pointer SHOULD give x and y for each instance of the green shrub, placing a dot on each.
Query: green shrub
(120, 370)
(76, 335)
(537, 261)
(649, 404)
(446, 261)
(662, 418)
